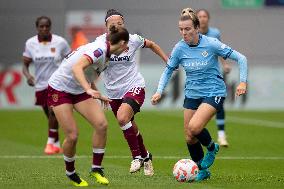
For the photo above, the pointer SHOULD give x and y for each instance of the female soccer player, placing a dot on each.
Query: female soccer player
(125, 87)
(69, 88)
(46, 51)
(205, 89)
(204, 16)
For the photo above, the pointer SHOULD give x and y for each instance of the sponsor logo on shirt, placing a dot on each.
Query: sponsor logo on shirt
(98, 53)
(44, 59)
(196, 63)
(119, 58)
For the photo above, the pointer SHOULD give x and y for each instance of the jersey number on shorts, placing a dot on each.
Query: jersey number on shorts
(135, 91)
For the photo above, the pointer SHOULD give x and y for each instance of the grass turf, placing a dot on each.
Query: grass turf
(255, 158)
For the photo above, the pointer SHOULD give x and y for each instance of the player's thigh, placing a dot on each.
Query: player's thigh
(65, 118)
(125, 112)
(93, 112)
(201, 117)
(190, 106)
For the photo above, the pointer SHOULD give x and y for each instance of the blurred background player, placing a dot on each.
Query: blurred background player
(205, 89)
(204, 16)
(70, 88)
(125, 86)
(46, 51)
(78, 38)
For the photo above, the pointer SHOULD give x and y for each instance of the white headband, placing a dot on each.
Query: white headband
(113, 16)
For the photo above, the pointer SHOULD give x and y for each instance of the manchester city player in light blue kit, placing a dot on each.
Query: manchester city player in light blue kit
(205, 89)
(204, 16)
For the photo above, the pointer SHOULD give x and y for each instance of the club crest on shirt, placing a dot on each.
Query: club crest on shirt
(55, 97)
(98, 53)
(204, 53)
(52, 49)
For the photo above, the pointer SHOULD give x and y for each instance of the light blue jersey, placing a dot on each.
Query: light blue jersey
(200, 62)
(213, 32)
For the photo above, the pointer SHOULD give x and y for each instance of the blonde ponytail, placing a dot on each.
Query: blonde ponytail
(189, 14)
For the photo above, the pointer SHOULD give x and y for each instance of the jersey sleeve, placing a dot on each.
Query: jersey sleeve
(242, 62)
(221, 49)
(94, 55)
(139, 41)
(27, 52)
(65, 48)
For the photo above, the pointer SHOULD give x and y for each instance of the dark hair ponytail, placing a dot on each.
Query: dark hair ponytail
(117, 34)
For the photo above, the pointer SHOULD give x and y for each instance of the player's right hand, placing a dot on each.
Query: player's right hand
(93, 93)
(156, 98)
(31, 81)
(97, 95)
(105, 102)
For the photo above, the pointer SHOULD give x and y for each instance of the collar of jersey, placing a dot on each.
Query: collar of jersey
(199, 39)
(47, 40)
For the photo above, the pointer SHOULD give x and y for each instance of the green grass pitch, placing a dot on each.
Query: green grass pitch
(254, 159)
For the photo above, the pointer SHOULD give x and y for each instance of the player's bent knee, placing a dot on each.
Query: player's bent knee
(102, 126)
(122, 119)
(194, 129)
(72, 137)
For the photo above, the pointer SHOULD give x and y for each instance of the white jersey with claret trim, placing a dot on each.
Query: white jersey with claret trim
(63, 78)
(46, 57)
(122, 73)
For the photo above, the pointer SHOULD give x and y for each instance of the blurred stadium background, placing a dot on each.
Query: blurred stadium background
(253, 27)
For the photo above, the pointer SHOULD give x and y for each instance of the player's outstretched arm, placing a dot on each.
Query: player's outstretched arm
(242, 62)
(156, 49)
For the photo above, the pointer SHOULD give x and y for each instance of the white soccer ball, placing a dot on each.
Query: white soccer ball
(185, 170)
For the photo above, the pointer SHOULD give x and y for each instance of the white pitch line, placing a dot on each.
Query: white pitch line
(128, 157)
(243, 121)
(256, 122)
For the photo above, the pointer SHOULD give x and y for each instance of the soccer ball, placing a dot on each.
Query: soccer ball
(185, 170)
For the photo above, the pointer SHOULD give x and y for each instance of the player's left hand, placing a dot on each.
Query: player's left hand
(156, 98)
(241, 89)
